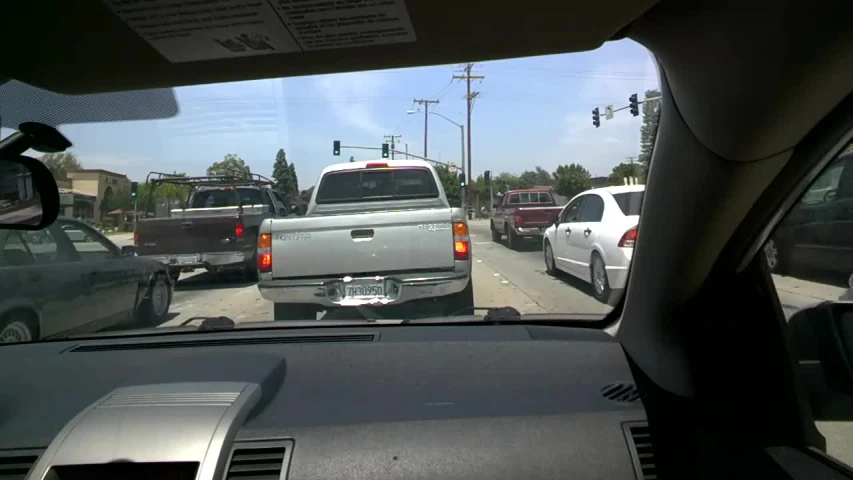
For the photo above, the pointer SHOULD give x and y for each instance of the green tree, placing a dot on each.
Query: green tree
(232, 164)
(60, 164)
(150, 196)
(450, 182)
(624, 170)
(649, 130)
(570, 180)
(539, 177)
(284, 175)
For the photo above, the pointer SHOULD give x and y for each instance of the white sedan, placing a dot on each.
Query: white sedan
(593, 238)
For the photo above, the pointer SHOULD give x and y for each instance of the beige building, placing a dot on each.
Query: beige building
(90, 192)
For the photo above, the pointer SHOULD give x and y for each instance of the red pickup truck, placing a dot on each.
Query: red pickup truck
(523, 214)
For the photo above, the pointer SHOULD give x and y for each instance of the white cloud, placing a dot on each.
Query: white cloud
(352, 86)
(612, 140)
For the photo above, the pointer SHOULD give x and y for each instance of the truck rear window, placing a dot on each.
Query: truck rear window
(376, 184)
(226, 197)
(629, 202)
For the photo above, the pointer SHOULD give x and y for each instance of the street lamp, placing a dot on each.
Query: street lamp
(462, 153)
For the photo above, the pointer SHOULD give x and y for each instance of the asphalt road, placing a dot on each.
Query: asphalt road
(502, 277)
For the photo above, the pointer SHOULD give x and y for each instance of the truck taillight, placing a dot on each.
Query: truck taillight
(461, 241)
(518, 220)
(238, 229)
(135, 239)
(629, 238)
(265, 253)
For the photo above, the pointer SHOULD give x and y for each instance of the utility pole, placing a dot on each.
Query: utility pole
(631, 159)
(392, 140)
(407, 151)
(470, 96)
(426, 104)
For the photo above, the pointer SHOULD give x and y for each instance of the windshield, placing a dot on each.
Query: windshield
(630, 202)
(447, 189)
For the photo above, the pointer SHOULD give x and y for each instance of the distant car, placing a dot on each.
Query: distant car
(69, 279)
(593, 238)
(523, 214)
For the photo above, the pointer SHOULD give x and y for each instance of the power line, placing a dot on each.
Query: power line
(426, 104)
(470, 96)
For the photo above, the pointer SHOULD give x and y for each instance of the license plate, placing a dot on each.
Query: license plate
(187, 259)
(370, 289)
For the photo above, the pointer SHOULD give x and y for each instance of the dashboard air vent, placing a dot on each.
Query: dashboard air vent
(642, 451)
(621, 392)
(155, 344)
(259, 461)
(14, 465)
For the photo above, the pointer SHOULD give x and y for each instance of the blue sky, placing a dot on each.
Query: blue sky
(531, 111)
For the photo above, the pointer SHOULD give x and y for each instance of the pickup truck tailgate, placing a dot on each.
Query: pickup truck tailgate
(187, 235)
(353, 244)
(537, 216)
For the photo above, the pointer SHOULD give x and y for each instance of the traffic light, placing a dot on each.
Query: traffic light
(134, 189)
(487, 176)
(461, 179)
(336, 147)
(635, 106)
(596, 118)
(384, 150)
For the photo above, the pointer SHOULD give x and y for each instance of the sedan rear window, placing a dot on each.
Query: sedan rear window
(629, 202)
(376, 184)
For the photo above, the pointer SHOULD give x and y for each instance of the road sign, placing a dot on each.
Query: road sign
(608, 112)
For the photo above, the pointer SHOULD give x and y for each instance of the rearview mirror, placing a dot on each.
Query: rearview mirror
(820, 340)
(29, 197)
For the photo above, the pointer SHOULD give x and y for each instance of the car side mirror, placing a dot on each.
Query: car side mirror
(820, 340)
(29, 197)
(128, 251)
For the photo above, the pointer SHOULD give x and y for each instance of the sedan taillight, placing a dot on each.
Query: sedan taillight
(629, 238)
(265, 253)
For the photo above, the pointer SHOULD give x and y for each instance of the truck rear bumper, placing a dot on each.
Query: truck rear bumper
(203, 260)
(530, 231)
(399, 288)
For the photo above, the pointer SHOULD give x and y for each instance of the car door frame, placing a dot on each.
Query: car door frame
(583, 244)
(112, 282)
(563, 233)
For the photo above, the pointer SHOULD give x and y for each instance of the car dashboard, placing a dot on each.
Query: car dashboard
(369, 403)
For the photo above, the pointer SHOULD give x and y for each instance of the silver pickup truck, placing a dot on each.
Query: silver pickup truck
(376, 234)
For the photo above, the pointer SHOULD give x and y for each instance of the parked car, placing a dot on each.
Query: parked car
(55, 284)
(817, 234)
(593, 238)
(522, 214)
(376, 234)
(217, 228)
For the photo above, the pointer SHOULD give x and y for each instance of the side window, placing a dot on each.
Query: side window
(29, 248)
(544, 197)
(513, 199)
(810, 258)
(281, 205)
(593, 209)
(572, 211)
(87, 243)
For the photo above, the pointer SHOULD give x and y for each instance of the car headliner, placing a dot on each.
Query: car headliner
(743, 82)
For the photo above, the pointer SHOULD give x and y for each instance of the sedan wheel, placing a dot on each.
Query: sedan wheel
(550, 267)
(155, 307)
(16, 330)
(599, 279)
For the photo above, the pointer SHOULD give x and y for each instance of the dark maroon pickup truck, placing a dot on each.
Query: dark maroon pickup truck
(523, 214)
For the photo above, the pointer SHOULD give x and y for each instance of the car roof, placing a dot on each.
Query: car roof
(613, 190)
(342, 167)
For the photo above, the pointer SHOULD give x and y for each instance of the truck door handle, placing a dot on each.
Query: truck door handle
(186, 224)
(587, 231)
(363, 233)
